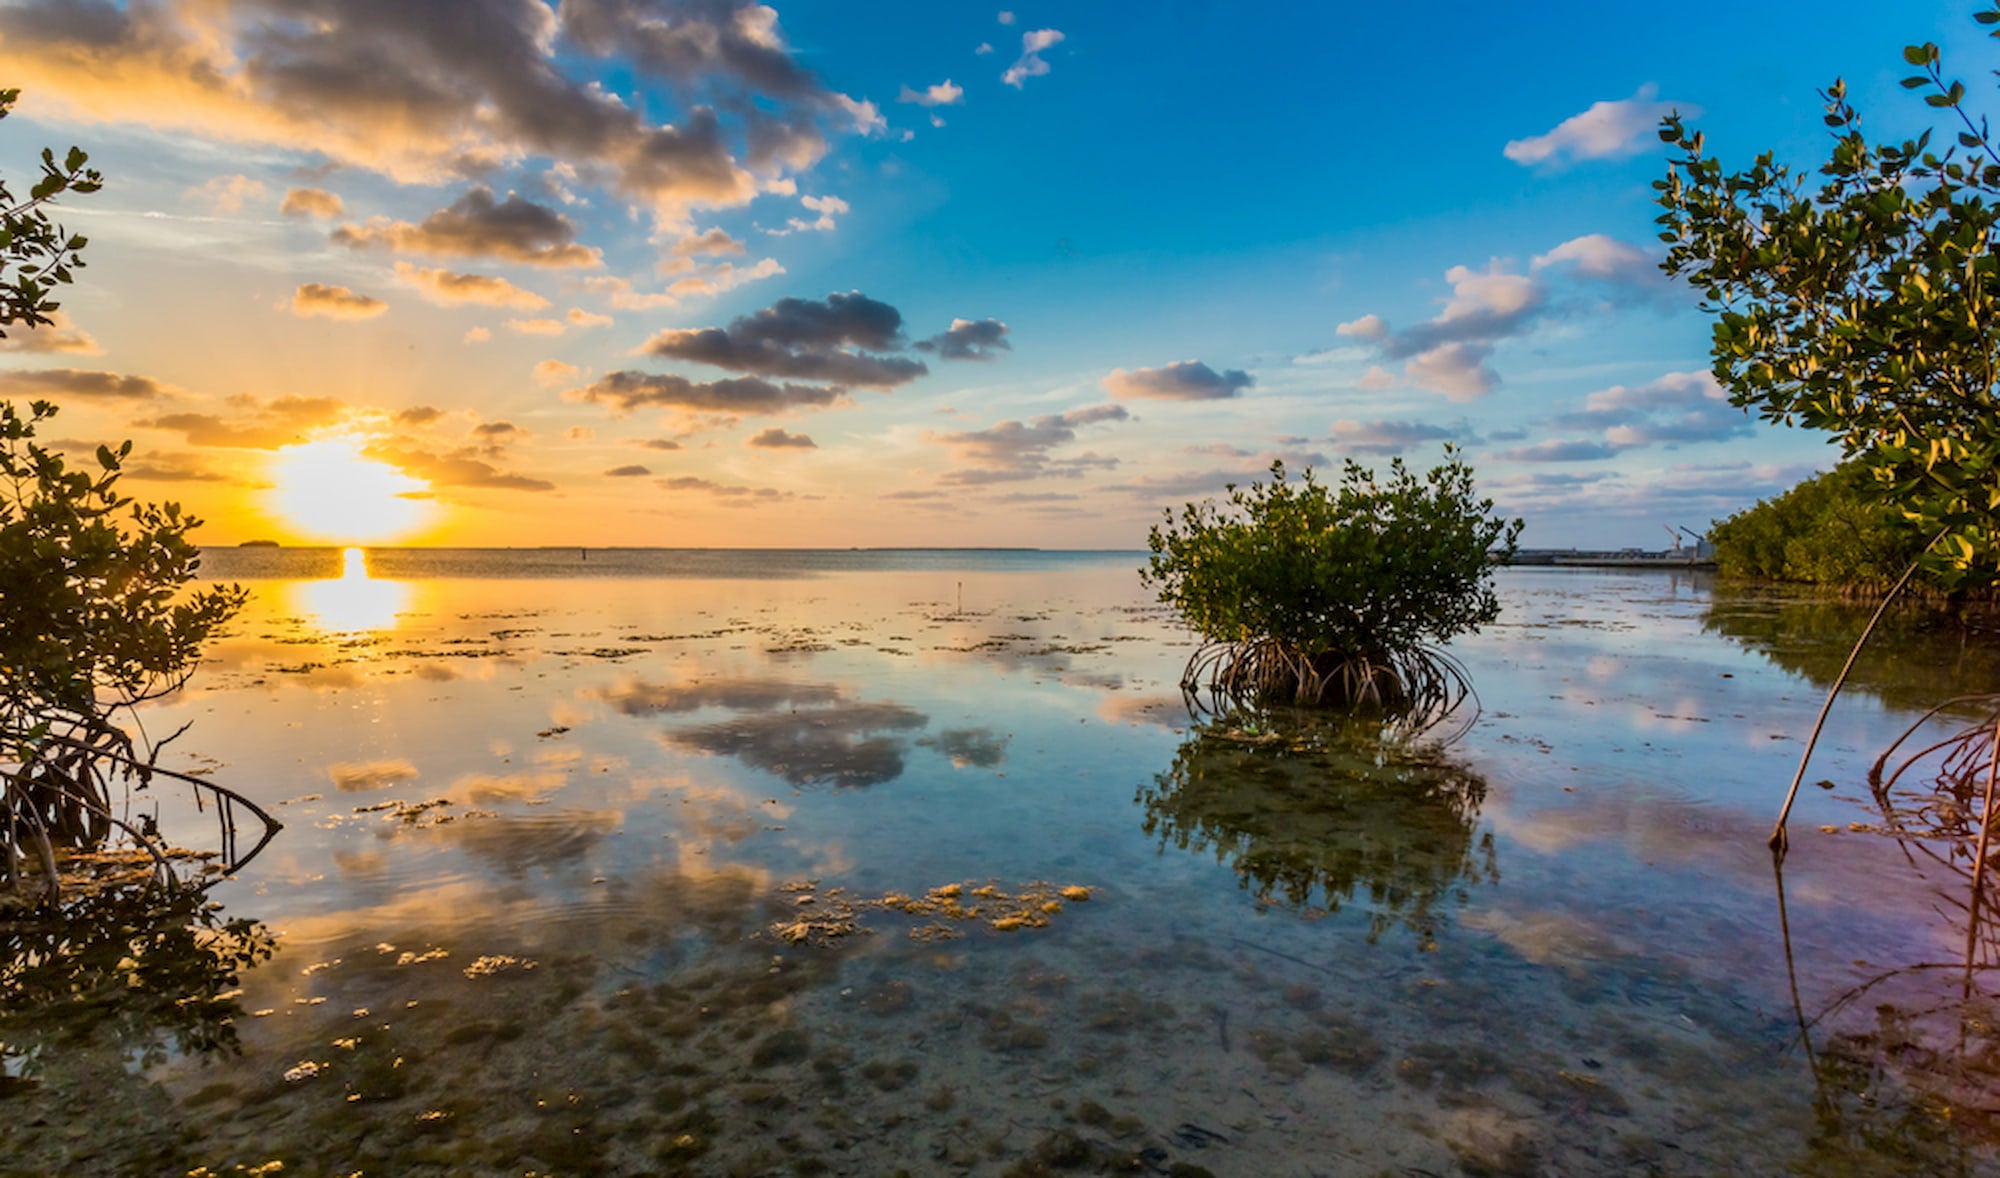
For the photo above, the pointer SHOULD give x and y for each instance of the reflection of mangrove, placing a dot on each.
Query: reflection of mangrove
(1918, 655)
(1922, 1075)
(132, 970)
(1322, 818)
(71, 791)
(802, 733)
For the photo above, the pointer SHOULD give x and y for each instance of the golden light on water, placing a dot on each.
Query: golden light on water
(354, 600)
(327, 490)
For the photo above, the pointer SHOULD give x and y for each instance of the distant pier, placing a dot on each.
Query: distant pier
(1700, 557)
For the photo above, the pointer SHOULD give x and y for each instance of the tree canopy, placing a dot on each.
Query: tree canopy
(1863, 299)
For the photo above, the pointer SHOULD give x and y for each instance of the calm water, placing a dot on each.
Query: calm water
(865, 863)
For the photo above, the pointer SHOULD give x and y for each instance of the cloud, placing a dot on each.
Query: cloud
(710, 281)
(576, 317)
(478, 335)
(424, 92)
(59, 334)
(1375, 378)
(777, 439)
(1678, 407)
(942, 94)
(311, 202)
(1604, 258)
(1030, 63)
(1459, 371)
(1366, 327)
(498, 431)
(1448, 353)
(1006, 18)
(553, 372)
(844, 743)
(725, 494)
(658, 444)
(1608, 130)
(333, 302)
(77, 382)
(828, 207)
(1183, 380)
(1014, 450)
(626, 390)
(627, 472)
(1558, 451)
(968, 339)
(805, 339)
(418, 415)
(253, 424)
(1393, 437)
(478, 226)
(457, 468)
(207, 429)
(712, 243)
(444, 286)
(227, 194)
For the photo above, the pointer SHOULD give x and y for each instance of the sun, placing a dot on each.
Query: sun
(327, 491)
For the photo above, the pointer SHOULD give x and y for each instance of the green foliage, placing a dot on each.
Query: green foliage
(1832, 529)
(36, 254)
(1864, 303)
(94, 612)
(1365, 573)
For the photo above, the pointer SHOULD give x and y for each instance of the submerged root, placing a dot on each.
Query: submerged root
(1416, 689)
(1933, 777)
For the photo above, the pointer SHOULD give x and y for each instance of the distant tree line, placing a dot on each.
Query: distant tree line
(1833, 529)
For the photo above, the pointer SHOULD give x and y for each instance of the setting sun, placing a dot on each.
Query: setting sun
(327, 491)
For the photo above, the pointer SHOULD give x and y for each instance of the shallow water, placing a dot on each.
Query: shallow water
(755, 863)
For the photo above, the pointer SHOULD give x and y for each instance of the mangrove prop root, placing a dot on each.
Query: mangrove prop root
(1780, 842)
(1419, 687)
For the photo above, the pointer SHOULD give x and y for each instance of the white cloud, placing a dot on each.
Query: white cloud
(1608, 130)
(1030, 63)
(227, 194)
(1597, 256)
(1366, 327)
(828, 207)
(944, 93)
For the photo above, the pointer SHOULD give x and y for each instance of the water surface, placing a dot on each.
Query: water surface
(635, 862)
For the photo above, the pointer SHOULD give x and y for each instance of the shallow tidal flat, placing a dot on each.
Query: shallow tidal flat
(878, 863)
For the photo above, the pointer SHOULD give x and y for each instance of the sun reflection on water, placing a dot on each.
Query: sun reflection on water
(355, 600)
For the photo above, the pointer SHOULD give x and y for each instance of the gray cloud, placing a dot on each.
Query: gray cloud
(1558, 451)
(713, 243)
(968, 339)
(424, 91)
(777, 439)
(1394, 437)
(77, 382)
(334, 302)
(627, 472)
(444, 286)
(417, 415)
(57, 335)
(464, 467)
(1183, 380)
(311, 202)
(1678, 407)
(478, 226)
(627, 390)
(1012, 451)
(805, 339)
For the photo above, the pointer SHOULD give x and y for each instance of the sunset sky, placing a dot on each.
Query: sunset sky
(694, 272)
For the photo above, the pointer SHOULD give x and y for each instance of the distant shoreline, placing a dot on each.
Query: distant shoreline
(270, 544)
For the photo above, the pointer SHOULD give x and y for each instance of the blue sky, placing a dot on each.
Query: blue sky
(654, 272)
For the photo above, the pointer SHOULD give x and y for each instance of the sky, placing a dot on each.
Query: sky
(707, 273)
